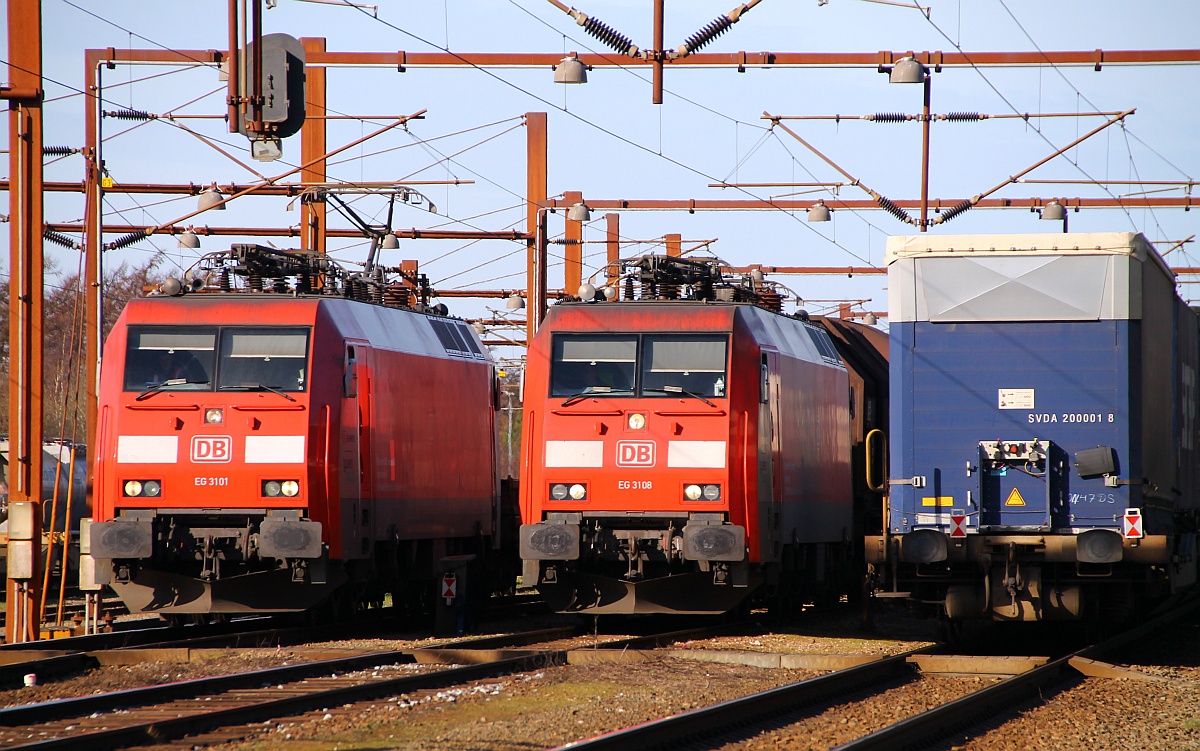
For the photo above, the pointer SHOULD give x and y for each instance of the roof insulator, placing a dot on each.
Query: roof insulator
(125, 240)
(127, 114)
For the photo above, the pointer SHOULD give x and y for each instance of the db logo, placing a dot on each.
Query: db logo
(212, 448)
(635, 453)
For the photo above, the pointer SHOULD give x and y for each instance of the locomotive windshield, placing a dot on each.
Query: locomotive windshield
(646, 365)
(261, 358)
(185, 358)
(593, 362)
(180, 354)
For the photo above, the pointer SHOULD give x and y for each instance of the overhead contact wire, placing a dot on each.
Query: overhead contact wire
(766, 202)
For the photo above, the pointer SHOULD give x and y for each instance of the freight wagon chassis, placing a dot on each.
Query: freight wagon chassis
(1023, 577)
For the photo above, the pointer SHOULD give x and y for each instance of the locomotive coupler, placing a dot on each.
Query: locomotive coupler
(720, 573)
(1012, 574)
(212, 565)
(633, 559)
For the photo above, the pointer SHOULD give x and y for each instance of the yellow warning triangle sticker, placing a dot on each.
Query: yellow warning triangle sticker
(1014, 498)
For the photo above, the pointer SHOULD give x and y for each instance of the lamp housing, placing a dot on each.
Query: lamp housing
(907, 70)
(570, 70)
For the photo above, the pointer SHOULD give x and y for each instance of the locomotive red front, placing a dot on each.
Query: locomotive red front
(679, 454)
(259, 451)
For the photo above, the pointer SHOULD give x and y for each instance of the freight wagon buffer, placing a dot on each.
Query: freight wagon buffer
(1043, 447)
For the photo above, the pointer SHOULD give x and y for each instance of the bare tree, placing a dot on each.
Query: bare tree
(63, 343)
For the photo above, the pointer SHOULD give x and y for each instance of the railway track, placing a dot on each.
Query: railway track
(953, 721)
(169, 711)
(950, 722)
(65, 656)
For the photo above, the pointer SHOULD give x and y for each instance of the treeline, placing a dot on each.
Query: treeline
(63, 355)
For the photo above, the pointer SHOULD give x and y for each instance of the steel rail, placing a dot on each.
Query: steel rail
(69, 655)
(28, 714)
(164, 729)
(670, 732)
(919, 731)
(937, 724)
(255, 709)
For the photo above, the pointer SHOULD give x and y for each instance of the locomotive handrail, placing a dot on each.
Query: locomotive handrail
(688, 413)
(267, 407)
(165, 407)
(588, 413)
(875, 487)
(326, 416)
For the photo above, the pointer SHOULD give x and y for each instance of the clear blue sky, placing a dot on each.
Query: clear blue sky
(606, 137)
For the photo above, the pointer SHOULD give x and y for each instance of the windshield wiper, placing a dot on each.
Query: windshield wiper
(157, 387)
(681, 390)
(592, 390)
(258, 387)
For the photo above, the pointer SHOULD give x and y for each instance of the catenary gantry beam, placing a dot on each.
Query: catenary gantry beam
(936, 204)
(402, 60)
(295, 231)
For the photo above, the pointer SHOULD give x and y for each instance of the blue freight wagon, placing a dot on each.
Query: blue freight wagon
(1043, 447)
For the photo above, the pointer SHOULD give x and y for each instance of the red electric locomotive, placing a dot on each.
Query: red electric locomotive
(309, 433)
(685, 448)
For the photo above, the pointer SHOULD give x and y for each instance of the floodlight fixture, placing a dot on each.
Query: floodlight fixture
(189, 239)
(570, 70)
(1054, 212)
(907, 70)
(579, 213)
(211, 198)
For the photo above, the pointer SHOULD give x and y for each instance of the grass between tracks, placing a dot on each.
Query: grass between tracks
(522, 712)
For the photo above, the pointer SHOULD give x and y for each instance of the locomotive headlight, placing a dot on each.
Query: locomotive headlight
(272, 488)
(214, 416)
(561, 491)
(289, 488)
(712, 492)
(637, 421)
(142, 488)
(692, 492)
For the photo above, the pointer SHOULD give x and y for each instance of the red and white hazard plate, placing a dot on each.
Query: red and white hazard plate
(1131, 526)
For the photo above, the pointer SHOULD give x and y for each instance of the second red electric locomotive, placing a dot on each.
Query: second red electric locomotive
(679, 453)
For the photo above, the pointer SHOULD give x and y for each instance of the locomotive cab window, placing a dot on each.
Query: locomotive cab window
(176, 358)
(254, 358)
(649, 365)
(695, 364)
(583, 364)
